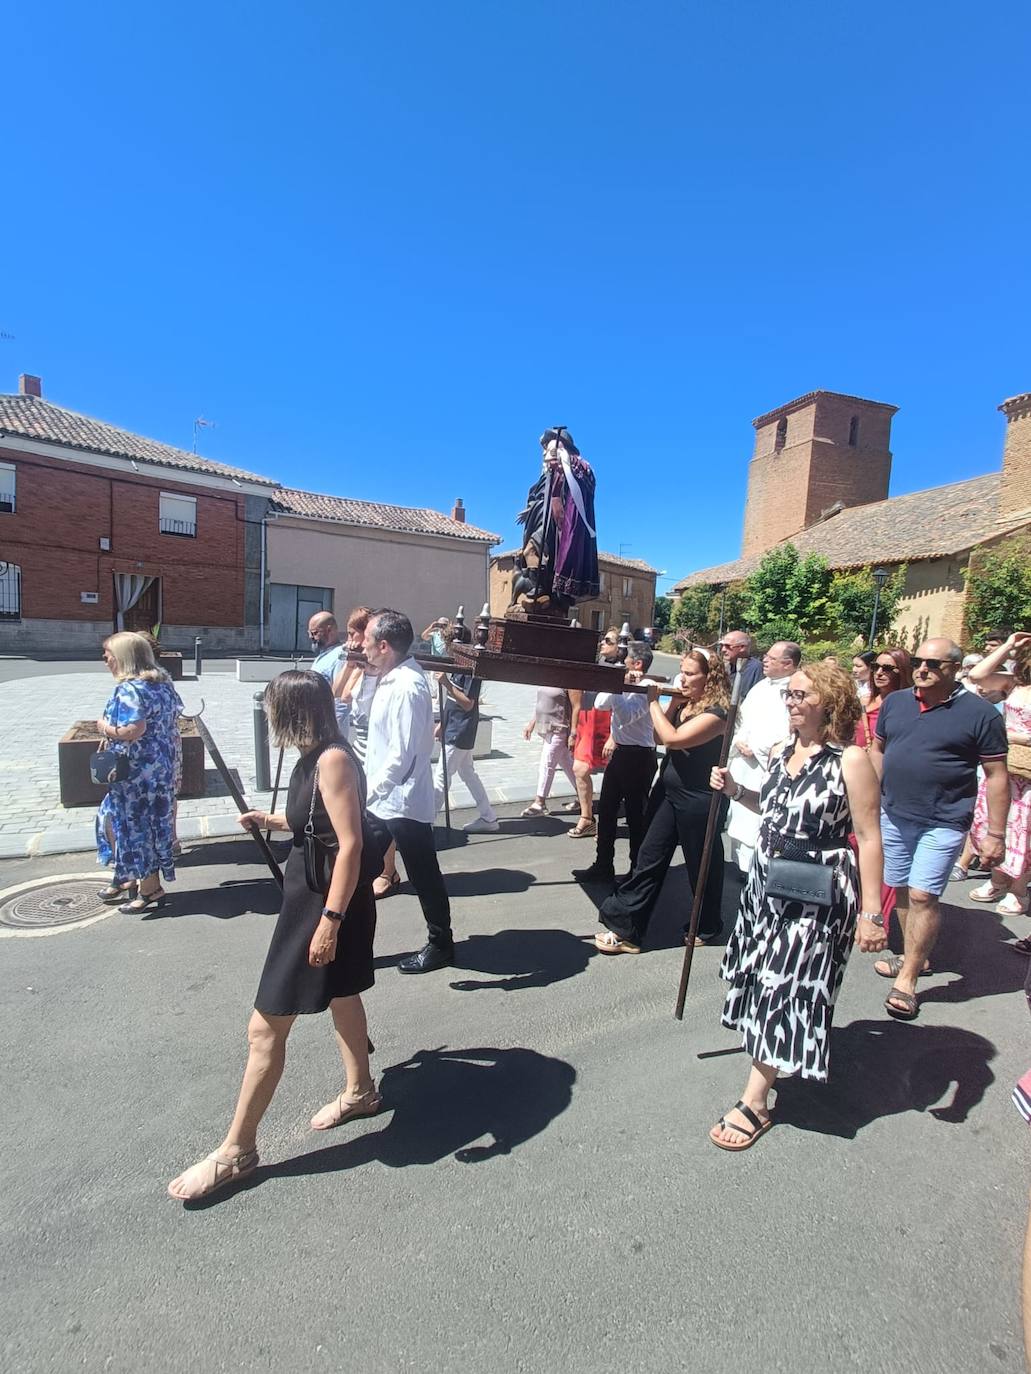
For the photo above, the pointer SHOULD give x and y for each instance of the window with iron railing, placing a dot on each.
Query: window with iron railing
(187, 528)
(10, 591)
(178, 515)
(8, 488)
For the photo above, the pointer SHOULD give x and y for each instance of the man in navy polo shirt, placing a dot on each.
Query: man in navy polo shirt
(927, 747)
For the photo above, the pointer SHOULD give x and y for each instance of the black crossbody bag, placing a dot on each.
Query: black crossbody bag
(320, 855)
(792, 875)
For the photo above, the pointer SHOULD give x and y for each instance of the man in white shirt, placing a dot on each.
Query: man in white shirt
(762, 722)
(630, 751)
(400, 782)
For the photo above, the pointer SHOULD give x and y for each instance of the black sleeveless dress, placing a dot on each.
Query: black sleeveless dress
(289, 985)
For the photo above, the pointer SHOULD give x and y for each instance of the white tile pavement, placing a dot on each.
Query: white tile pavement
(37, 711)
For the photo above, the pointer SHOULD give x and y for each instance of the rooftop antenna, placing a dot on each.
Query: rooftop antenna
(199, 424)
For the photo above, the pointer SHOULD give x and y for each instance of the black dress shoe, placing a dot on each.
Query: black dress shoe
(594, 874)
(430, 957)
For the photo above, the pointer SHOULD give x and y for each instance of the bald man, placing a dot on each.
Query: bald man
(927, 747)
(330, 654)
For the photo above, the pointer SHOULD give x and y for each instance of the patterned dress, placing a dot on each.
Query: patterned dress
(785, 959)
(139, 810)
(1018, 822)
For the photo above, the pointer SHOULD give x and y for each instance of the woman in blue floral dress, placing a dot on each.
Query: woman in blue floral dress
(135, 823)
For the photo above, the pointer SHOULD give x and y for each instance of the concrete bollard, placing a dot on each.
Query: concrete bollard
(198, 662)
(262, 762)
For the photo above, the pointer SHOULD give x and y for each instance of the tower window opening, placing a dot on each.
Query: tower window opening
(853, 431)
(782, 434)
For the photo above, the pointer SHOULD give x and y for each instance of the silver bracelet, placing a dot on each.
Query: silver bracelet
(876, 918)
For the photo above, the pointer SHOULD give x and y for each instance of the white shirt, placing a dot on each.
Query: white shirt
(762, 722)
(631, 717)
(397, 759)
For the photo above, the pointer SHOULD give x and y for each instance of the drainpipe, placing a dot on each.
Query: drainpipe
(261, 594)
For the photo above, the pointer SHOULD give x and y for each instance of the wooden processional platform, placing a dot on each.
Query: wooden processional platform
(540, 648)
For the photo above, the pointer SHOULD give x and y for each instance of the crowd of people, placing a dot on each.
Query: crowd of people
(849, 799)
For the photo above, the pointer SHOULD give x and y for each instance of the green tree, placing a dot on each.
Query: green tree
(852, 597)
(690, 614)
(661, 614)
(998, 589)
(789, 592)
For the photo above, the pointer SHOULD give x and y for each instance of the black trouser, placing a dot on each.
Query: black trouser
(414, 840)
(628, 776)
(673, 818)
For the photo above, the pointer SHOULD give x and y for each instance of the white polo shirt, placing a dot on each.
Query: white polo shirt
(397, 759)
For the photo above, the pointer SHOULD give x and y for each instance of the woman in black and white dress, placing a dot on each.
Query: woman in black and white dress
(786, 958)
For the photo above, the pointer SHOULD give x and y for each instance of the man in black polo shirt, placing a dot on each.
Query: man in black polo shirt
(927, 747)
(457, 735)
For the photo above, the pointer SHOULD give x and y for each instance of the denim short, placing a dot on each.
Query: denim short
(917, 855)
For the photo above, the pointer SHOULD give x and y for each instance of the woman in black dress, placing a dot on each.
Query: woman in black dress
(678, 809)
(321, 951)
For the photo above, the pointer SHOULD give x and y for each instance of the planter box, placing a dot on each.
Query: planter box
(172, 664)
(83, 739)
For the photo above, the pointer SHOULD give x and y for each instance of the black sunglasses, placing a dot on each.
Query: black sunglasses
(885, 667)
(935, 664)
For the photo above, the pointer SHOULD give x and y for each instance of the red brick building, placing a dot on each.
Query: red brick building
(102, 529)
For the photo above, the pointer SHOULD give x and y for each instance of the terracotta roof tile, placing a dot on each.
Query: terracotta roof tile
(31, 417)
(901, 529)
(312, 505)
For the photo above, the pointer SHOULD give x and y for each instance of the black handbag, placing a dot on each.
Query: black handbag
(799, 879)
(320, 855)
(109, 765)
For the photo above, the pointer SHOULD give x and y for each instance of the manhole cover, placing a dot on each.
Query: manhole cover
(55, 904)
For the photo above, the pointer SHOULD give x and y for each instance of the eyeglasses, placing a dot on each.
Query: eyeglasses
(885, 668)
(934, 664)
(796, 696)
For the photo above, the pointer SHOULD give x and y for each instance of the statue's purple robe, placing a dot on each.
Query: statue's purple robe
(576, 557)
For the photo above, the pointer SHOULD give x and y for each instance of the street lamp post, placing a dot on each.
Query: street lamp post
(880, 576)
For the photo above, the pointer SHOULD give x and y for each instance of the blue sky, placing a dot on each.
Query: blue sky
(384, 245)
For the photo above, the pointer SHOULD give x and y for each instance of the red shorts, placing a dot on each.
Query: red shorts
(592, 730)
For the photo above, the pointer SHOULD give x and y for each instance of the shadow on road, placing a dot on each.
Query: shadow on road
(673, 909)
(524, 958)
(975, 945)
(884, 1068)
(505, 1095)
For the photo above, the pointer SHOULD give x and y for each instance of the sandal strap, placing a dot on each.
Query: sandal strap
(907, 999)
(749, 1115)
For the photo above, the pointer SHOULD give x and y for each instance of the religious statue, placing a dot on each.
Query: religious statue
(558, 565)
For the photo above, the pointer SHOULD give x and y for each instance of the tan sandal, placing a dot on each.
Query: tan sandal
(759, 1127)
(214, 1172)
(608, 942)
(346, 1108)
(583, 830)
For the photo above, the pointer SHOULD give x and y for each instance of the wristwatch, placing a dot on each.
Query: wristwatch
(333, 915)
(876, 918)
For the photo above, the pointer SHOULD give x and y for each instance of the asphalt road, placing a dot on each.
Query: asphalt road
(539, 1194)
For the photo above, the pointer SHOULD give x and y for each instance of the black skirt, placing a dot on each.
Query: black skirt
(289, 985)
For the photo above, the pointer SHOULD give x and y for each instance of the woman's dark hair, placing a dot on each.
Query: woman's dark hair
(904, 676)
(300, 710)
(868, 657)
(393, 627)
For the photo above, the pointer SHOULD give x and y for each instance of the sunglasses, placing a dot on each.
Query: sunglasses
(885, 668)
(935, 664)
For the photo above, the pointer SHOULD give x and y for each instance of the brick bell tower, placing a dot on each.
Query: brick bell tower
(819, 451)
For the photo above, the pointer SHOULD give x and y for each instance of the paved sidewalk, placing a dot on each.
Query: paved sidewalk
(37, 711)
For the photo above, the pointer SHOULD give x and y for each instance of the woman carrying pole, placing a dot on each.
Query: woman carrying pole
(801, 910)
(691, 728)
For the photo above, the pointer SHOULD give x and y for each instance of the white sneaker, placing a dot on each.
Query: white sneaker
(481, 827)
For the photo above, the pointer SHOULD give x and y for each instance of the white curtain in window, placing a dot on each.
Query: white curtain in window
(129, 587)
